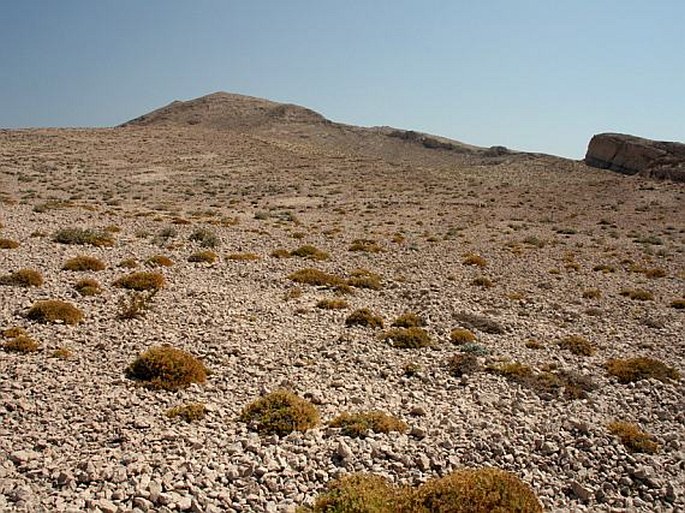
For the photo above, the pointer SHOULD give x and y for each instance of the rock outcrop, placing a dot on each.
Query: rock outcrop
(631, 155)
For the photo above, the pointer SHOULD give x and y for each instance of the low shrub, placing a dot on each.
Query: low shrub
(408, 338)
(483, 490)
(577, 345)
(332, 304)
(316, 277)
(63, 353)
(8, 244)
(84, 263)
(128, 263)
(310, 252)
(364, 317)
(159, 261)
(135, 305)
(356, 493)
(81, 237)
(635, 369)
(637, 294)
(678, 304)
(188, 412)
(54, 310)
(23, 278)
(205, 257)
(459, 365)
(409, 320)
(87, 287)
(473, 259)
(482, 281)
(243, 257)
(633, 437)
(365, 245)
(21, 344)
(364, 279)
(461, 336)
(205, 238)
(167, 368)
(140, 281)
(280, 412)
(358, 424)
(592, 294)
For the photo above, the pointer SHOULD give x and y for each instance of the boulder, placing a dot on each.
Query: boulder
(631, 155)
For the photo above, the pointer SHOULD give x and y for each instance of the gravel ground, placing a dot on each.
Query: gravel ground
(77, 435)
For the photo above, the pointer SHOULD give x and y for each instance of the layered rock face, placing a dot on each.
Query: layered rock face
(632, 155)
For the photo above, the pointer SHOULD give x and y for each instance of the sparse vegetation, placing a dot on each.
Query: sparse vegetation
(461, 364)
(461, 336)
(482, 281)
(316, 277)
(8, 244)
(189, 412)
(280, 412)
(637, 294)
(365, 245)
(23, 278)
(577, 345)
(81, 237)
(205, 238)
(128, 263)
(633, 437)
(159, 261)
(84, 263)
(63, 353)
(364, 317)
(473, 259)
(88, 287)
(310, 252)
(21, 344)
(54, 310)
(359, 423)
(634, 369)
(205, 257)
(167, 368)
(332, 304)
(409, 320)
(408, 338)
(364, 279)
(243, 257)
(140, 281)
(356, 493)
(678, 304)
(135, 305)
(592, 294)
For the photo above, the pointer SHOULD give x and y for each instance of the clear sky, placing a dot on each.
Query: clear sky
(539, 75)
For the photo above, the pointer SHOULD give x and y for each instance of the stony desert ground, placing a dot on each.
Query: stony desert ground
(537, 256)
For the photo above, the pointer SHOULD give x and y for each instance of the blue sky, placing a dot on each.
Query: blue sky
(539, 75)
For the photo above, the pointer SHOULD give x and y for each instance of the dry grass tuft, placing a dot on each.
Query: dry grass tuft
(310, 276)
(408, 338)
(280, 412)
(637, 294)
(87, 287)
(167, 368)
(473, 259)
(409, 320)
(365, 245)
(243, 257)
(479, 322)
(84, 263)
(189, 412)
(636, 369)
(205, 238)
(159, 261)
(461, 364)
(364, 279)
(577, 345)
(205, 257)
(63, 353)
(128, 263)
(592, 294)
(54, 310)
(364, 317)
(678, 304)
(23, 278)
(332, 304)
(633, 437)
(358, 424)
(310, 252)
(21, 344)
(8, 244)
(356, 493)
(461, 336)
(140, 281)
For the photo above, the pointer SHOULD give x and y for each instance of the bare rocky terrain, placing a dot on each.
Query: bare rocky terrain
(565, 250)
